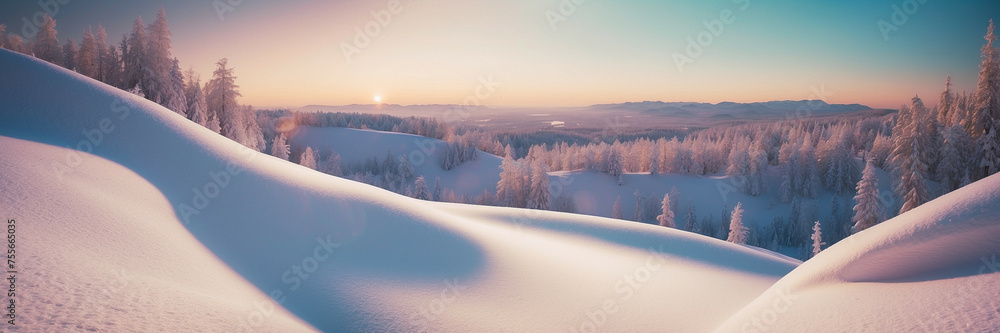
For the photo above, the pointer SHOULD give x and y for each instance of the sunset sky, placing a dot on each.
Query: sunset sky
(289, 53)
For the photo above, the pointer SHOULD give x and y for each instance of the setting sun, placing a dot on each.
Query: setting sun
(378, 99)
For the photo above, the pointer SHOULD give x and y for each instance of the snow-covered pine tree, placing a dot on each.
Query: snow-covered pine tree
(986, 110)
(654, 162)
(616, 209)
(438, 190)
(539, 196)
(164, 91)
(946, 103)
(86, 60)
(614, 166)
(331, 165)
(14, 43)
(785, 193)
(666, 217)
(109, 69)
(221, 95)
(308, 158)
(420, 189)
(69, 55)
(279, 148)
(817, 238)
(691, 219)
(197, 107)
(737, 231)
(507, 187)
(637, 211)
(868, 211)
(47, 43)
(389, 162)
(177, 101)
(136, 61)
(954, 153)
(405, 170)
(917, 193)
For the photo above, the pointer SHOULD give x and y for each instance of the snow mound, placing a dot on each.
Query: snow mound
(929, 269)
(274, 246)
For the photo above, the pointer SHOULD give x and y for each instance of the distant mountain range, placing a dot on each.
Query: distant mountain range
(735, 110)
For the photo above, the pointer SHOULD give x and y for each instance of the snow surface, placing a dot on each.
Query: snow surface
(112, 244)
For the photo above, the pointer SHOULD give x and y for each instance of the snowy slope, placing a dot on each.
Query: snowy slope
(426, 154)
(337, 254)
(932, 269)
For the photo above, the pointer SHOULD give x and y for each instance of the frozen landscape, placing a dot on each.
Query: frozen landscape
(140, 197)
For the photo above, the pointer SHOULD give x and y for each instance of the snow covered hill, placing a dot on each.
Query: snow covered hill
(133, 218)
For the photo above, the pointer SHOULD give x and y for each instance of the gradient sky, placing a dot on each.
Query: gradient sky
(288, 53)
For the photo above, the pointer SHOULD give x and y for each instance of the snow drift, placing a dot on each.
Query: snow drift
(132, 217)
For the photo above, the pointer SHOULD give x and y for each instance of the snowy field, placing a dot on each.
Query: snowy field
(131, 217)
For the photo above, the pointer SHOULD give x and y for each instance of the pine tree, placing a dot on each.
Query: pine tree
(986, 109)
(108, 60)
(955, 153)
(666, 218)
(637, 211)
(614, 166)
(138, 70)
(47, 43)
(405, 170)
(160, 64)
(69, 55)
(909, 155)
(616, 209)
(868, 211)
(389, 162)
(509, 182)
(178, 99)
(946, 103)
(221, 94)
(817, 238)
(331, 165)
(540, 197)
(279, 148)
(420, 189)
(14, 43)
(737, 232)
(308, 159)
(691, 219)
(785, 189)
(438, 190)
(86, 60)
(197, 107)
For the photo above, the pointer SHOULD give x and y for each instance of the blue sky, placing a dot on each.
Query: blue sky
(291, 53)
